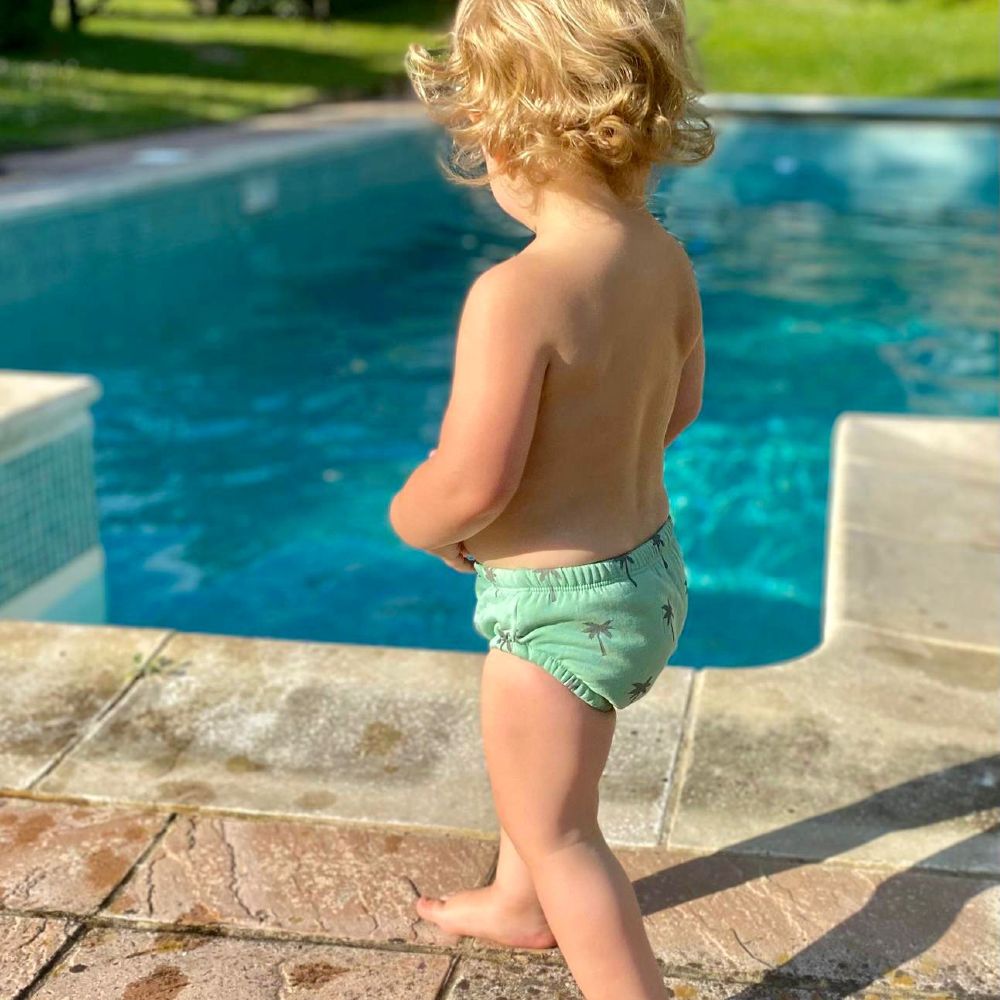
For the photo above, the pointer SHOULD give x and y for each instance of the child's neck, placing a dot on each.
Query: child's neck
(578, 205)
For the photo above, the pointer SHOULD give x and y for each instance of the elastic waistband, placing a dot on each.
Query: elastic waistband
(620, 567)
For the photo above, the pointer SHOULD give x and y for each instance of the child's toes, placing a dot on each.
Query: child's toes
(428, 906)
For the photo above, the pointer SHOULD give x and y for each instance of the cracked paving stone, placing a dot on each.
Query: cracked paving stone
(725, 915)
(113, 962)
(26, 944)
(346, 882)
(59, 856)
(518, 976)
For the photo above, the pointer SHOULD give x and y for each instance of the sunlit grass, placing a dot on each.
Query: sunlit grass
(150, 64)
(892, 48)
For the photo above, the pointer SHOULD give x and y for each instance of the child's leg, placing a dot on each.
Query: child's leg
(513, 879)
(545, 752)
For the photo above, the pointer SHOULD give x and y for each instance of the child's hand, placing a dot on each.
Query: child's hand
(455, 556)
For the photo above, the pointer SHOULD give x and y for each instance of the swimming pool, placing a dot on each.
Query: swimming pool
(275, 345)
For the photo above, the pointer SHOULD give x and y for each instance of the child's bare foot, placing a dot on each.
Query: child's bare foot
(486, 913)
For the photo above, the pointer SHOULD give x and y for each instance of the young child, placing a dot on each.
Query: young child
(577, 362)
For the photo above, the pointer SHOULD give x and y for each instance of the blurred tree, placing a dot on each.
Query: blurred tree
(317, 10)
(24, 23)
(78, 11)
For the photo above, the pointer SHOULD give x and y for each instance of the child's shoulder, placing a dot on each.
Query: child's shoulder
(520, 288)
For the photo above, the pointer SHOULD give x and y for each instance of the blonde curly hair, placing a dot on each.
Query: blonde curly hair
(546, 85)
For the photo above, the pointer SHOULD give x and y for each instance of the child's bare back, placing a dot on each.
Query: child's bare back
(617, 307)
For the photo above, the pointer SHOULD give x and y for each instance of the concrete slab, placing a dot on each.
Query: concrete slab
(55, 856)
(969, 516)
(344, 882)
(372, 733)
(56, 679)
(33, 405)
(953, 447)
(26, 944)
(637, 779)
(914, 529)
(109, 962)
(876, 748)
(940, 590)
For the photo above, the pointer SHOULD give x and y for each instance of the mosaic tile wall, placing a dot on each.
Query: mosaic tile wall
(48, 509)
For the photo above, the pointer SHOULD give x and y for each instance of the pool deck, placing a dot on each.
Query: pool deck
(204, 817)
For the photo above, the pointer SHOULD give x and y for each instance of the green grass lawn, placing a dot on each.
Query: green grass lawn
(150, 64)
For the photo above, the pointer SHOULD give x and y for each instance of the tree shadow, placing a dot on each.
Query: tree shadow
(981, 86)
(928, 902)
(59, 118)
(232, 61)
(432, 14)
(905, 916)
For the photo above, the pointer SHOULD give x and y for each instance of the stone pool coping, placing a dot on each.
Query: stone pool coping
(827, 823)
(36, 178)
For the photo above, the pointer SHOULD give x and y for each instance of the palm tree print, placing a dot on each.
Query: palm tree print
(544, 574)
(668, 617)
(658, 544)
(490, 573)
(623, 562)
(506, 639)
(639, 688)
(596, 629)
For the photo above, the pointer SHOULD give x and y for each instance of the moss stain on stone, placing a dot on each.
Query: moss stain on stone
(378, 738)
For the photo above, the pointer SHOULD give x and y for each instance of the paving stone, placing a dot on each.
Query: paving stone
(55, 679)
(373, 733)
(126, 965)
(519, 976)
(26, 944)
(345, 882)
(740, 917)
(875, 748)
(55, 856)
(729, 918)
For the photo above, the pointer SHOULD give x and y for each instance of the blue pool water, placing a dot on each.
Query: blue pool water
(275, 345)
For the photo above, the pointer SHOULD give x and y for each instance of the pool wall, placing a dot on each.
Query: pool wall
(51, 558)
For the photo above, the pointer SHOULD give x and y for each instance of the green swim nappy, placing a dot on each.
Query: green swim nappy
(605, 629)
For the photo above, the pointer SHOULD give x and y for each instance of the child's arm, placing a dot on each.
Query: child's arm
(501, 356)
(687, 405)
